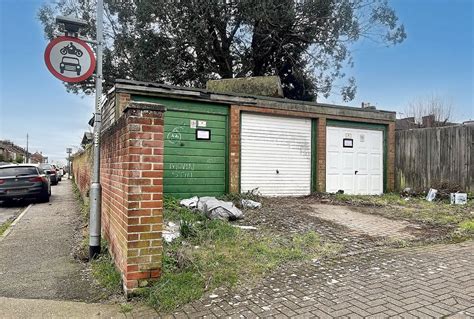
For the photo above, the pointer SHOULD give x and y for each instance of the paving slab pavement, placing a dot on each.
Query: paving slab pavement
(36, 256)
(372, 225)
(424, 282)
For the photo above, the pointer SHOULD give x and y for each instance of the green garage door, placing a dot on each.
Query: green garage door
(195, 154)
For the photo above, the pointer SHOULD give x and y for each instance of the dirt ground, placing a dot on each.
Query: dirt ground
(290, 215)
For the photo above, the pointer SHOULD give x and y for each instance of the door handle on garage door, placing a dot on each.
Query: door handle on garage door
(355, 172)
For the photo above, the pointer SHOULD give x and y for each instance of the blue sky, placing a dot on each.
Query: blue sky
(436, 58)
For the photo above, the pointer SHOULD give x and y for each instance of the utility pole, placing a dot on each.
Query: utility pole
(96, 191)
(26, 155)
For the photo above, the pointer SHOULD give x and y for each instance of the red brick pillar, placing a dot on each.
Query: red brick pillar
(132, 181)
(321, 155)
(391, 158)
(234, 152)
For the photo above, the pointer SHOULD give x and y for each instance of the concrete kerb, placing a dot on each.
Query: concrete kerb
(9, 229)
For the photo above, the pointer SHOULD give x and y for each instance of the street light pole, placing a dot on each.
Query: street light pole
(96, 191)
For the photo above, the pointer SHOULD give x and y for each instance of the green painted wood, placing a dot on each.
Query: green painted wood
(193, 167)
(202, 189)
(196, 174)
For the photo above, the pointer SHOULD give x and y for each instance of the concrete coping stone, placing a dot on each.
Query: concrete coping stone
(149, 106)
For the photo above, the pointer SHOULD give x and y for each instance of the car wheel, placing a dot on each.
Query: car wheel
(44, 197)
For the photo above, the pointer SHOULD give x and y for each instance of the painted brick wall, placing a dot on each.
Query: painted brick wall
(132, 192)
(234, 152)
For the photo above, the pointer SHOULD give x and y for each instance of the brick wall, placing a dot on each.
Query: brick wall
(391, 158)
(81, 170)
(321, 155)
(234, 151)
(132, 189)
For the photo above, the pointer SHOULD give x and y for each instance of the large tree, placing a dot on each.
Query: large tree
(187, 42)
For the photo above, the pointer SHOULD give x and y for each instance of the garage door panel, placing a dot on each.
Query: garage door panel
(365, 156)
(362, 184)
(348, 161)
(193, 166)
(362, 162)
(347, 183)
(275, 154)
(375, 163)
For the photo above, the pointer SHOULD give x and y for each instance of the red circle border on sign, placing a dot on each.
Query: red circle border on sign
(86, 75)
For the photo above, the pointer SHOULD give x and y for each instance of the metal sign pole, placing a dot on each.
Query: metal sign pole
(96, 191)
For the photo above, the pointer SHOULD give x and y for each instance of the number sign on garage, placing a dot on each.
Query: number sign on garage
(275, 155)
(354, 161)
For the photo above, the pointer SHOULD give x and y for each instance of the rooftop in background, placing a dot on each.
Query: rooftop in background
(427, 121)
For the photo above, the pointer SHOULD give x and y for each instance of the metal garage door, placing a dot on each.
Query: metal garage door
(195, 163)
(275, 155)
(354, 161)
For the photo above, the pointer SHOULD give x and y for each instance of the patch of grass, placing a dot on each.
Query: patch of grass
(104, 271)
(437, 213)
(126, 308)
(84, 202)
(4, 226)
(214, 254)
(372, 200)
(467, 226)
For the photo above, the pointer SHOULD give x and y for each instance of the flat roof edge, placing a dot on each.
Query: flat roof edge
(136, 87)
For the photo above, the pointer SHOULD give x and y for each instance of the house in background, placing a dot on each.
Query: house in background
(38, 158)
(10, 152)
(409, 123)
(87, 139)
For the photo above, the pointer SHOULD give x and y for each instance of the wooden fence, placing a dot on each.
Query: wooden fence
(432, 157)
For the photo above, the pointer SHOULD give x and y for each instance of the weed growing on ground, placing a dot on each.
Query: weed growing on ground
(4, 226)
(104, 271)
(236, 198)
(126, 308)
(437, 213)
(213, 253)
(467, 226)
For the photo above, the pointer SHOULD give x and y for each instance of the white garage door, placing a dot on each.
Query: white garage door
(275, 155)
(354, 161)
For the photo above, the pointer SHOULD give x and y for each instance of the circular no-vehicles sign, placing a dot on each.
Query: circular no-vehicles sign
(70, 59)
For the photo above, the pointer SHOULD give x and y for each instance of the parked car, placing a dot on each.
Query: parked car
(58, 172)
(50, 170)
(23, 181)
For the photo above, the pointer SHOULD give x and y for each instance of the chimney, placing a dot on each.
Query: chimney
(366, 105)
(428, 121)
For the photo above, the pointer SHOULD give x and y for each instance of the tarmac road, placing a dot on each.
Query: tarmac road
(8, 212)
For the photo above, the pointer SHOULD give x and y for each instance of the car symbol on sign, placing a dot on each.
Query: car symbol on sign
(70, 64)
